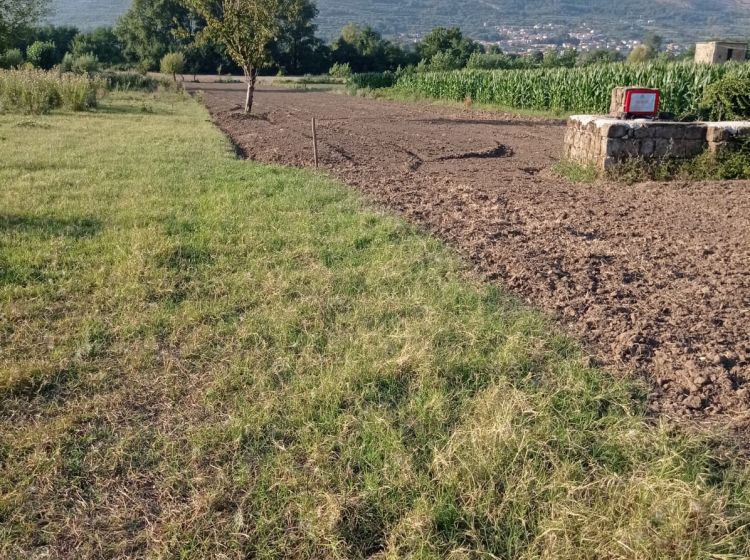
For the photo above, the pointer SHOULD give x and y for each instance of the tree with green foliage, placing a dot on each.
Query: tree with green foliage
(246, 28)
(648, 50)
(727, 99)
(297, 50)
(202, 53)
(152, 28)
(653, 42)
(365, 50)
(641, 53)
(18, 14)
(172, 63)
(535, 58)
(489, 61)
(445, 61)
(551, 58)
(61, 35)
(568, 58)
(101, 43)
(41, 54)
(197, 53)
(600, 57)
(450, 44)
(12, 58)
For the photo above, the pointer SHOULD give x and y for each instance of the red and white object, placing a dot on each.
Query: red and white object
(629, 102)
(642, 102)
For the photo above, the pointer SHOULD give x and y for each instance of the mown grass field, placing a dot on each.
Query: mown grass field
(202, 357)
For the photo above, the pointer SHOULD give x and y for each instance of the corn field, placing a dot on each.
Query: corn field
(373, 80)
(567, 90)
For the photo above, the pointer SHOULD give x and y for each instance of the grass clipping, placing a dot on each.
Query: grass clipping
(208, 358)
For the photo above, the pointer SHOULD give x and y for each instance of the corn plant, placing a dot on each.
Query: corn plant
(568, 90)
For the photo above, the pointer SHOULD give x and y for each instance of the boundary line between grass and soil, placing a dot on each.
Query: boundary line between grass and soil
(210, 357)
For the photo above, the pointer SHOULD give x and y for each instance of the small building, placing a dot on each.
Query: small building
(719, 52)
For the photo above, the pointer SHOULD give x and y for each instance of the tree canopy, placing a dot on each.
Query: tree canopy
(449, 45)
(101, 43)
(151, 28)
(17, 14)
(246, 29)
(297, 50)
(365, 50)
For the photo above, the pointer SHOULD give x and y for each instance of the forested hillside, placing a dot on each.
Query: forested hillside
(677, 19)
(87, 13)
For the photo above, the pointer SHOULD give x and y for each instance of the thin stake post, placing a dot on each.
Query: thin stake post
(315, 141)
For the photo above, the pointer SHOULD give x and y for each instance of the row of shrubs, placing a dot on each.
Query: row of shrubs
(42, 55)
(86, 63)
(32, 91)
(13, 59)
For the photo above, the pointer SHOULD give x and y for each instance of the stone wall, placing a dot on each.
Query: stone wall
(726, 135)
(606, 141)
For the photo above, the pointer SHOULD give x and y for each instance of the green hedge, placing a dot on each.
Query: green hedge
(373, 80)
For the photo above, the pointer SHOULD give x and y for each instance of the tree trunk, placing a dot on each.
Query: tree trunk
(251, 75)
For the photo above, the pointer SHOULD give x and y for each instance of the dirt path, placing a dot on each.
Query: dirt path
(655, 277)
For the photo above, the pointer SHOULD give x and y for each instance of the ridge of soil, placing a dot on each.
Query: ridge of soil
(654, 277)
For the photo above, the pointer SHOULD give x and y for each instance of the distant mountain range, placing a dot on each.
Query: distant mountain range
(87, 14)
(676, 19)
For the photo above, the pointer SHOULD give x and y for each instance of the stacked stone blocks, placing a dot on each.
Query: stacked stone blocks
(606, 141)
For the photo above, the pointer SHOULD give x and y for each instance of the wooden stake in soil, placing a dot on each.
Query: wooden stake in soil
(315, 142)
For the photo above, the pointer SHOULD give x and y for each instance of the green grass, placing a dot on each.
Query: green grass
(728, 164)
(207, 358)
(576, 172)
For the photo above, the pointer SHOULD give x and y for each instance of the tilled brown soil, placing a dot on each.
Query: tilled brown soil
(655, 278)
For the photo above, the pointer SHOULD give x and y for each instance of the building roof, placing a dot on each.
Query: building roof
(725, 43)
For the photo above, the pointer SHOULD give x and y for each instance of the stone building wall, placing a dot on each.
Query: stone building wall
(717, 52)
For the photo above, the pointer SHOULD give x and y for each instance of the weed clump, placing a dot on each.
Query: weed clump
(576, 172)
(727, 99)
(726, 164)
(37, 92)
(134, 81)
